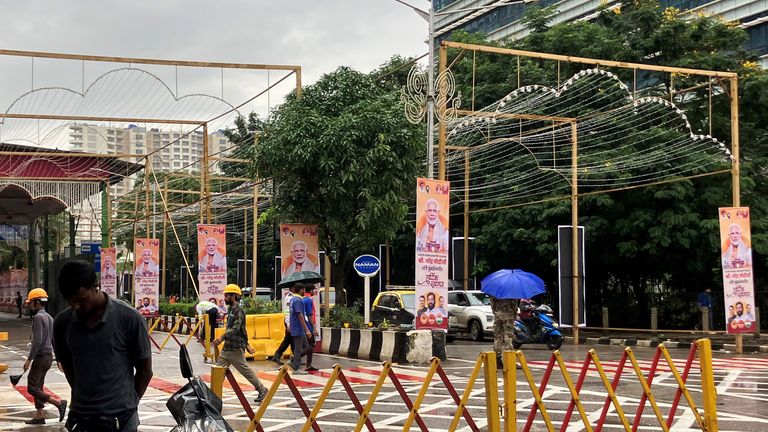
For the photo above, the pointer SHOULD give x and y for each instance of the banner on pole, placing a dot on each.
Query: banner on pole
(109, 271)
(432, 244)
(212, 263)
(298, 249)
(736, 259)
(146, 275)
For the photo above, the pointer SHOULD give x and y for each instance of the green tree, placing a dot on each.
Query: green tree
(660, 238)
(343, 157)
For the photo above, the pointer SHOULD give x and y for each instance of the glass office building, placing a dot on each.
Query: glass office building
(503, 22)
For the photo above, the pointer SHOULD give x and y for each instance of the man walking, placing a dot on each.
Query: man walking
(40, 356)
(300, 332)
(103, 348)
(19, 299)
(236, 338)
(287, 340)
(504, 315)
(309, 313)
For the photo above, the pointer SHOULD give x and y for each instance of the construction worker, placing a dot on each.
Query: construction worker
(40, 356)
(236, 338)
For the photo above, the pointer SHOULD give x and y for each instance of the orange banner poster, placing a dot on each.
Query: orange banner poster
(432, 240)
(146, 276)
(736, 259)
(212, 263)
(298, 249)
(109, 271)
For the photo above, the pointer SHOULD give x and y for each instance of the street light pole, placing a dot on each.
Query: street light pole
(431, 95)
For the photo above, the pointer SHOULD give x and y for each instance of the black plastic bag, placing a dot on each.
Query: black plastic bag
(197, 409)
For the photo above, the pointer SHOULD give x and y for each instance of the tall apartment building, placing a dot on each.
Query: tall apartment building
(173, 151)
(503, 22)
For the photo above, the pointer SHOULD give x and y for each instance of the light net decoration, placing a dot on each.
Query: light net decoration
(624, 140)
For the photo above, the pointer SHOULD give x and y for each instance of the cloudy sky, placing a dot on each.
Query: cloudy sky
(319, 35)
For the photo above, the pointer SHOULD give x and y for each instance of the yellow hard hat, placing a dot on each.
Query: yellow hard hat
(232, 289)
(37, 294)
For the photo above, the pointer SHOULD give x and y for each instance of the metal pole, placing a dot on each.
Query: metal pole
(443, 61)
(205, 186)
(165, 237)
(255, 252)
(466, 219)
(575, 230)
(431, 95)
(735, 182)
(147, 173)
(105, 210)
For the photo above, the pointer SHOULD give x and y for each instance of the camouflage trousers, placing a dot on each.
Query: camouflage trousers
(503, 333)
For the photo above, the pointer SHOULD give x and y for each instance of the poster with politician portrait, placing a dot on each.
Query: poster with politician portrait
(212, 263)
(736, 260)
(432, 242)
(298, 249)
(146, 276)
(109, 271)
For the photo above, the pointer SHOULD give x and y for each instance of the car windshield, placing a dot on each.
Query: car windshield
(479, 299)
(410, 301)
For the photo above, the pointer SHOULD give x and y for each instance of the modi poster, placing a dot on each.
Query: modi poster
(432, 240)
(109, 271)
(736, 259)
(146, 276)
(298, 249)
(212, 263)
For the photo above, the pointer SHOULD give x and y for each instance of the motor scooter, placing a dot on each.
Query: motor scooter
(194, 406)
(536, 325)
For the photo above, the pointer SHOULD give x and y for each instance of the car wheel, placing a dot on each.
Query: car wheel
(476, 330)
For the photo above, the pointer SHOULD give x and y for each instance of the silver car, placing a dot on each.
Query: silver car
(472, 310)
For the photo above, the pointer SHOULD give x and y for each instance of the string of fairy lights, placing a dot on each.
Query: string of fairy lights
(624, 139)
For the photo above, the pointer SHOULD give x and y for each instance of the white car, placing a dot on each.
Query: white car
(472, 310)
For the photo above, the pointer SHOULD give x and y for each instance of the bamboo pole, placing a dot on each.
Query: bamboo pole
(736, 176)
(585, 60)
(466, 219)
(140, 60)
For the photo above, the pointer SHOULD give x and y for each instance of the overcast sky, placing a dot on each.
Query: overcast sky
(319, 35)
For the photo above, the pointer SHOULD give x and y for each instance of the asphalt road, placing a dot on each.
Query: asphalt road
(741, 381)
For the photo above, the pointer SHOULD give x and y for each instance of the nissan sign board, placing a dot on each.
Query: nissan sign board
(367, 265)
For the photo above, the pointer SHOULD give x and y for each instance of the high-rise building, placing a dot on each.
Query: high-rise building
(172, 151)
(504, 22)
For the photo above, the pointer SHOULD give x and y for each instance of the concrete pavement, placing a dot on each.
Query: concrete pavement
(741, 381)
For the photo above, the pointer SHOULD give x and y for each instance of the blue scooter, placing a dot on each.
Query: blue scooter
(536, 324)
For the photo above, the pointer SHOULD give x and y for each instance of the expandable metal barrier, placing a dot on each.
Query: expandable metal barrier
(506, 413)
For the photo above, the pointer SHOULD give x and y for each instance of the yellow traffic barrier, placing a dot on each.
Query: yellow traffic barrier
(506, 415)
(3, 336)
(154, 325)
(193, 331)
(170, 334)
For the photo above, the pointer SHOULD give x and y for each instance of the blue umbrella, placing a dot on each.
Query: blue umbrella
(512, 284)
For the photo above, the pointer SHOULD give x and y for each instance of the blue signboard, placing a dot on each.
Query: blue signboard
(367, 265)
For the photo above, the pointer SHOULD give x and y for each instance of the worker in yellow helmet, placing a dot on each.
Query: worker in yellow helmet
(236, 338)
(40, 356)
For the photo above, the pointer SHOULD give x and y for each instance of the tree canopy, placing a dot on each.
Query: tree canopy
(343, 157)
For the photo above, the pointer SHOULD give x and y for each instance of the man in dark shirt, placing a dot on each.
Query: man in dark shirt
(99, 342)
(19, 300)
(40, 356)
(236, 338)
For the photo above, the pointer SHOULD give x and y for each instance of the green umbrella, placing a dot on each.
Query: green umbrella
(300, 276)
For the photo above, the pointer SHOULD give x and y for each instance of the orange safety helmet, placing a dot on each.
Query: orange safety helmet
(37, 294)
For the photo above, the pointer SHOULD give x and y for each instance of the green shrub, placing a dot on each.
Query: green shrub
(257, 307)
(183, 309)
(341, 314)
